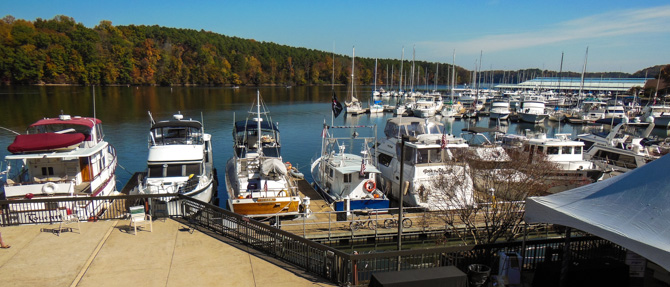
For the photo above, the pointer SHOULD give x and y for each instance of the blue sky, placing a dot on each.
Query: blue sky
(622, 36)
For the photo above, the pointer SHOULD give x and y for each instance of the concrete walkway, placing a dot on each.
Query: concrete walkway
(106, 253)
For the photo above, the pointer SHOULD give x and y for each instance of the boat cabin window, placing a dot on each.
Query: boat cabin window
(347, 177)
(424, 155)
(622, 160)
(566, 150)
(384, 159)
(578, 150)
(552, 150)
(176, 135)
(46, 171)
(172, 170)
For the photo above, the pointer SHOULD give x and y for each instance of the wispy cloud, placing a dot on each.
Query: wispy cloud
(601, 26)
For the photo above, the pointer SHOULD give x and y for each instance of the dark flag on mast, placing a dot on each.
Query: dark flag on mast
(337, 107)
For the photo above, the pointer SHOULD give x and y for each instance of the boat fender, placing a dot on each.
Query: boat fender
(49, 188)
(370, 185)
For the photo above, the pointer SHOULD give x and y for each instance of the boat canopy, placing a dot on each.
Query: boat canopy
(82, 121)
(44, 141)
(186, 124)
(241, 126)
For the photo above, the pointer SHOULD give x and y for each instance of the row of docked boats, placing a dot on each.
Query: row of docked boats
(68, 157)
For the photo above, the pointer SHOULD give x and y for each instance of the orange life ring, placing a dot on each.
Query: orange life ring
(370, 185)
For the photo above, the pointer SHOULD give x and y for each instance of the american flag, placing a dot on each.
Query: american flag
(443, 144)
(265, 187)
(363, 166)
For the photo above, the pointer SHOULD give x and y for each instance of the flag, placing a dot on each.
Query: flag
(337, 107)
(324, 133)
(443, 144)
(362, 166)
(265, 187)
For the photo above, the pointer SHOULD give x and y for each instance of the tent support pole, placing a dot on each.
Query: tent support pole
(566, 259)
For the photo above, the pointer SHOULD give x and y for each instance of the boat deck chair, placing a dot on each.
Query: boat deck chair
(139, 218)
(67, 217)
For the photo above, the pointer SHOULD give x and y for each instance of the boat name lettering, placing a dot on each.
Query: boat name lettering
(434, 171)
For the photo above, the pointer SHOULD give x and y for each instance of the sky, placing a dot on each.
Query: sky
(621, 36)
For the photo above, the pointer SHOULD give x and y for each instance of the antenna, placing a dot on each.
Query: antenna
(93, 88)
(151, 118)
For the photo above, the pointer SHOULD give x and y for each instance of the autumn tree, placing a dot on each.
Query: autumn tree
(502, 179)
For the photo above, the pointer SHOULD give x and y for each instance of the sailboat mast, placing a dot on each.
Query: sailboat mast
(413, 55)
(332, 88)
(453, 75)
(258, 122)
(581, 85)
(402, 60)
(375, 74)
(353, 56)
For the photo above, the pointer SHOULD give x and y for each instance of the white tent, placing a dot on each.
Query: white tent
(632, 210)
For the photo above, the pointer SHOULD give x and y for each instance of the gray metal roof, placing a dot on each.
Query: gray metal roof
(590, 84)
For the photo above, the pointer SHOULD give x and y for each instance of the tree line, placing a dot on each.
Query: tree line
(62, 51)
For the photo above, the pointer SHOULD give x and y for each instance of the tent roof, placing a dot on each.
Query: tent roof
(630, 210)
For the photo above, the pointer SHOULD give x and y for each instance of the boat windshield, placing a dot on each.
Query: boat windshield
(60, 129)
(414, 156)
(171, 135)
(412, 128)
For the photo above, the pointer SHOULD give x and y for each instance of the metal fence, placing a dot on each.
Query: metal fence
(327, 262)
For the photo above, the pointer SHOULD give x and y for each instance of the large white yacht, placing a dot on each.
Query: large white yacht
(345, 179)
(428, 153)
(532, 109)
(60, 157)
(499, 109)
(179, 160)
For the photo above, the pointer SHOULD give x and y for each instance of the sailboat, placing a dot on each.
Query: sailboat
(257, 180)
(354, 106)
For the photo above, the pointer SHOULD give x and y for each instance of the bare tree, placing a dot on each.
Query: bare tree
(502, 180)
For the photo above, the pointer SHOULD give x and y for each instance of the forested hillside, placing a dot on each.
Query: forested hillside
(62, 51)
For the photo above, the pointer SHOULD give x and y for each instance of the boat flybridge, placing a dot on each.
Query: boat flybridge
(345, 179)
(427, 155)
(60, 157)
(179, 160)
(257, 180)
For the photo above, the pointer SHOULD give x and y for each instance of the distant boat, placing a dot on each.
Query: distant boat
(354, 106)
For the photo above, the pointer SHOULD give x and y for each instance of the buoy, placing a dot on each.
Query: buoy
(49, 188)
(370, 185)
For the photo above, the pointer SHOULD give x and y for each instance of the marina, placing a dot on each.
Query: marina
(258, 171)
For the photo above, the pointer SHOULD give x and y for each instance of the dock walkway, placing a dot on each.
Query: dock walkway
(107, 254)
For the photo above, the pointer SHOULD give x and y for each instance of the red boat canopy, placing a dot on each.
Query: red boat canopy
(44, 141)
(83, 121)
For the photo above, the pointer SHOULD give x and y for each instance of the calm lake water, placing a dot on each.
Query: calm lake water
(300, 112)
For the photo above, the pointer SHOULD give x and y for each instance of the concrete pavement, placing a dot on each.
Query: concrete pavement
(106, 253)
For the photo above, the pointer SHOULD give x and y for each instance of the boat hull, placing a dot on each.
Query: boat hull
(362, 204)
(533, 118)
(264, 206)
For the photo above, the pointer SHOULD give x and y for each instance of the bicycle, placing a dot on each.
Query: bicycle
(358, 223)
(406, 223)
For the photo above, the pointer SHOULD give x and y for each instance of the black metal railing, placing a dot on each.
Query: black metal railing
(327, 262)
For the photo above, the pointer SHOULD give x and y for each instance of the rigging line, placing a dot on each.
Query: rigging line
(118, 164)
